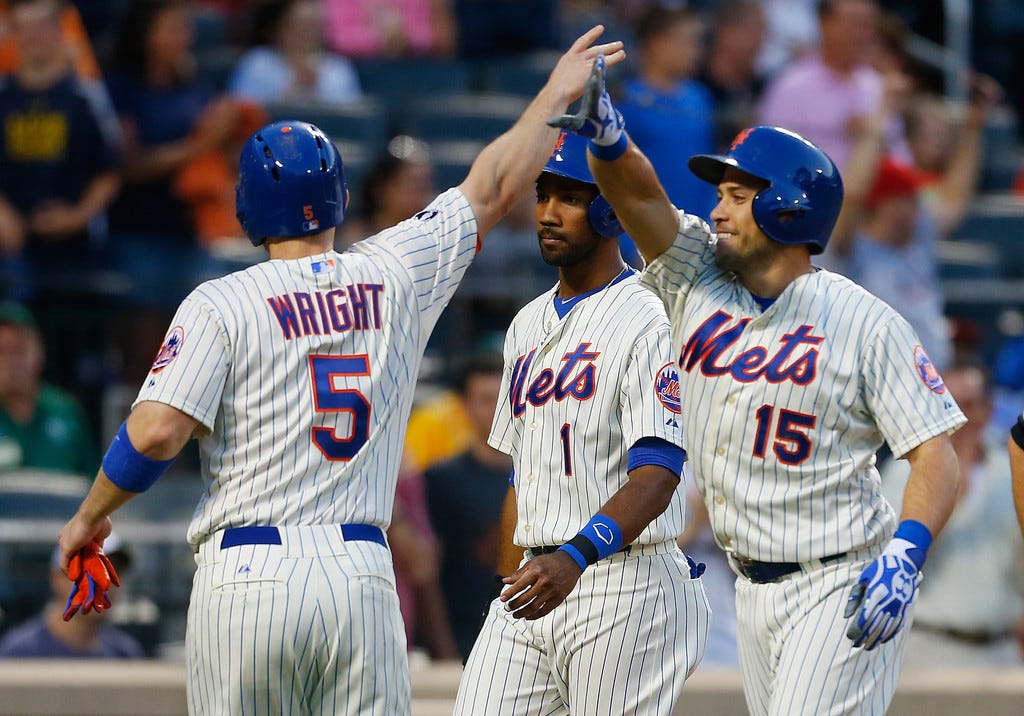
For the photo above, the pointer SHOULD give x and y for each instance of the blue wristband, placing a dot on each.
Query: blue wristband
(610, 152)
(918, 535)
(128, 468)
(599, 538)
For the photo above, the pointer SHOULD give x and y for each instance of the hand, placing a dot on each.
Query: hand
(93, 574)
(882, 595)
(540, 585)
(574, 69)
(56, 219)
(78, 533)
(597, 118)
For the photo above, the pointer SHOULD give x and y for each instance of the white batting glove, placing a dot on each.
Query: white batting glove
(597, 118)
(887, 587)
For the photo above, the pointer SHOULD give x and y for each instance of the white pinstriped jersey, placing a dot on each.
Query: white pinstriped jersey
(577, 393)
(783, 410)
(302, 372)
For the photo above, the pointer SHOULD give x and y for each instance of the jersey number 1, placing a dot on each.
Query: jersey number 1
(792, 444)
(328, 399)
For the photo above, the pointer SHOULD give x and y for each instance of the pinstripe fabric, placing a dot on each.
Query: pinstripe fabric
(785, 410)
(794, 654)
(827, 355)
(626, 328)
(247, 377)
(623, 642)
(302, 374)
(296, 628)
(635, 626)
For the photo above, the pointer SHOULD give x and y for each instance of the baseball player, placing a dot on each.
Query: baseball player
(603, 615)
(297, 376)
(791, 378)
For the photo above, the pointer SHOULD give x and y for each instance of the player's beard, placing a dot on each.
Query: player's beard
(740, 258)
(566, 252)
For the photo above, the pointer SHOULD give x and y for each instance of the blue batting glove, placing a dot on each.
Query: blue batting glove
(696, 568)
(597, 118)
(887, 587)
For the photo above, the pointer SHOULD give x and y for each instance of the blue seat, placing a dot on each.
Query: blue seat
(396, 82)
(463, 117)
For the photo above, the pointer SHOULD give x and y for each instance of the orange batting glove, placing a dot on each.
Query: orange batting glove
(93, 574)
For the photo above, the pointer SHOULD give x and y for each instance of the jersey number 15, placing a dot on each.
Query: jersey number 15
(792, 444)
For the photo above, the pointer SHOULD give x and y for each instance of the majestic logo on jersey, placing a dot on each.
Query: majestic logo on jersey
(576, 378)
(169, 350)
(666, 387)
(794, 361)
(926, 369)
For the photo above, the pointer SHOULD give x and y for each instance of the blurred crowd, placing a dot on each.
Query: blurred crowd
(121, 125)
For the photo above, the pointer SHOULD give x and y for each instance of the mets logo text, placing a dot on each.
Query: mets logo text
(169, 350)
(666, 387)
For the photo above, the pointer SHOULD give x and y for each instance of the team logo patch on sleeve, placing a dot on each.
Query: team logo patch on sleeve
(926, 369)
(666, 387)
(169, 350)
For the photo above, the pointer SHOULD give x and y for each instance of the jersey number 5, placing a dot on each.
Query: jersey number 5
(329, 399)
(792, 444)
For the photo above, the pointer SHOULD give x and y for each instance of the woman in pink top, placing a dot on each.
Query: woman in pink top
(390, 28)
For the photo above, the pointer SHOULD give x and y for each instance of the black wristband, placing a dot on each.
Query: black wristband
(585, 547)
(1017, 432)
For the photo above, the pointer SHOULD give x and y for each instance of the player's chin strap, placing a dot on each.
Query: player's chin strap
(599, 538)
(887, 587)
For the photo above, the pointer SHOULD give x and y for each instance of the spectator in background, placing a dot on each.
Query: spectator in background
(40, 425)
(168, 115)
(886, 235)
(390, 28)
(670, 115)
(792, 33)
(970, 611)
(57, 167)
(416, 556)
(89, 636)
(398, 184)
(828, 95)
(288, 63)
(496, 28)
(730, 70)
(464, 498)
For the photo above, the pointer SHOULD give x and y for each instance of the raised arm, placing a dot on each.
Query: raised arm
(508, 166)
(624, 175)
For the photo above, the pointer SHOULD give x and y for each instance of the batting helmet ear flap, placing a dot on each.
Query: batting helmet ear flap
(804, 195)
(603, 219)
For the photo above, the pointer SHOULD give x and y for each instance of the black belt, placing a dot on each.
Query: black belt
(235, 536)
(975, 638)
(766, 572)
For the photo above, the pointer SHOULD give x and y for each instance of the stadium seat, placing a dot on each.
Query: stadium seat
(463, 117)
(396, 82)
(518, 76)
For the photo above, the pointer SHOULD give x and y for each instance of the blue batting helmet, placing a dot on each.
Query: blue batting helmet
(569, 159)
(290, 182)
(801, 203)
